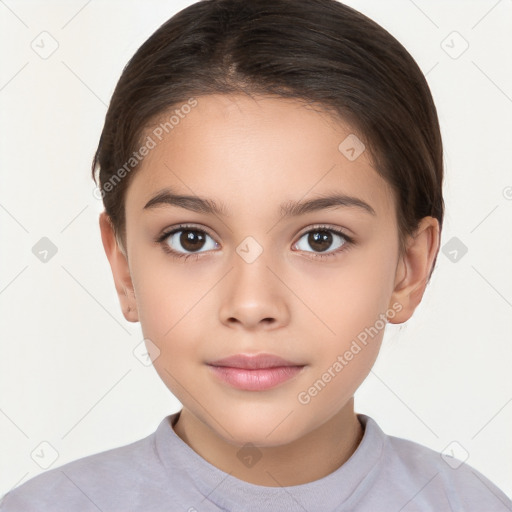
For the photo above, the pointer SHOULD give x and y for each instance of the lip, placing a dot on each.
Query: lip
(254, 361)
(255, 372)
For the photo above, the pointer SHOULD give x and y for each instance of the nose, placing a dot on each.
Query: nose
(253, 296)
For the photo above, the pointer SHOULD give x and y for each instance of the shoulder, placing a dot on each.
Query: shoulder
(110, 480)
(431, 478)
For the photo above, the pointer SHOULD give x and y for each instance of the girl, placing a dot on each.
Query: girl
(272, 174)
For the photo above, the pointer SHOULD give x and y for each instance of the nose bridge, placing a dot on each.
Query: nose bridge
(252, 293)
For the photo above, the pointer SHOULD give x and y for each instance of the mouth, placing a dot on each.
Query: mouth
(255, 372)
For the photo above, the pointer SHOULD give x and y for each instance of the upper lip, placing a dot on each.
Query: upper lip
(253, 362)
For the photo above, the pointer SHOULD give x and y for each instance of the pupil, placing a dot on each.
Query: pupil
(191, 240)
(320, 240)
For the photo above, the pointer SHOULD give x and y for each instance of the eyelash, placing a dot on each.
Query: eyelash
(349, 241)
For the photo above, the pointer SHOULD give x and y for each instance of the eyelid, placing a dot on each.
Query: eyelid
(327, 227)
(171, 230)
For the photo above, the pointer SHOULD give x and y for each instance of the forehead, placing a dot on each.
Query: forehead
(251, 153)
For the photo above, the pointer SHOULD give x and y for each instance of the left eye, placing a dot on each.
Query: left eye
(321, 239)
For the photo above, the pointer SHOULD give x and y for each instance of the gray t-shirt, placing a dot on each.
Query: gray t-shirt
(162, 473)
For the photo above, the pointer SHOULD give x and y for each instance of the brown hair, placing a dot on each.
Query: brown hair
(319, 51)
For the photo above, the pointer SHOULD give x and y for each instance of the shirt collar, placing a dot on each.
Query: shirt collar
(343, 486)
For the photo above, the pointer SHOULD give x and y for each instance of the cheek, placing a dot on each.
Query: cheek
(353, 303)
(349, 298)
(169, 314)
(164, 293)
(172, 302)
(372, 275)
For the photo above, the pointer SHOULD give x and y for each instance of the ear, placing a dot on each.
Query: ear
(414, 268)
(120, 269)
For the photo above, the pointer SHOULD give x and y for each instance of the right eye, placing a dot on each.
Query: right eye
(187, 238)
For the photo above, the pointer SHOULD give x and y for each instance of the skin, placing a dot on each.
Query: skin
(252, 154)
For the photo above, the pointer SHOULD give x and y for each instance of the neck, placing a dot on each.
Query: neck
(309, 458)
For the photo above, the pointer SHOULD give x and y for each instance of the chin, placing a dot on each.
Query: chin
(259, 429)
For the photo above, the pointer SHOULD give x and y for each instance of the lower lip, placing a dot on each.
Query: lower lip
(256, 380)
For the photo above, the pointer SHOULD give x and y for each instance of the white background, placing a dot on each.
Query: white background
(68, 374)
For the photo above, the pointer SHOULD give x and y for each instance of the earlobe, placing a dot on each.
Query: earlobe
(120, 269)
(414, 268)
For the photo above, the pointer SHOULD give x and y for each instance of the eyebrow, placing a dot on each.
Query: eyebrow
(197, 204)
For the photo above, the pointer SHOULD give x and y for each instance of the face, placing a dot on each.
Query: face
(256, 276)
